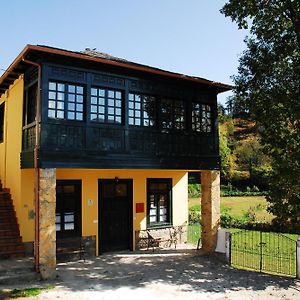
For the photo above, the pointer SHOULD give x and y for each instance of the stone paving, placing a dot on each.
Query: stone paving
(165, 274)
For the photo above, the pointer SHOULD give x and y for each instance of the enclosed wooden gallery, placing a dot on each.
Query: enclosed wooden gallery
(97, 149)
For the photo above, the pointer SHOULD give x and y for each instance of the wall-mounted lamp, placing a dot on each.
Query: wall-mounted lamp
(116, 179)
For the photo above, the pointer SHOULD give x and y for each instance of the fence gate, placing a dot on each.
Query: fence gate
(268, 252)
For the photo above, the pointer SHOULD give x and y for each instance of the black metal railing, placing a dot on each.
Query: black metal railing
(268, 252)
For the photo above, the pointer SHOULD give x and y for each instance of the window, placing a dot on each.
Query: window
(173, 114)
(2, 108)
(65, 101)
(201, 117)
(68, 208)
(106, 106)
(29, 109)
(141, 110)
(159, 197)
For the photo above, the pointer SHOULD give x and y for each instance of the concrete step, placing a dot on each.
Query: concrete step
(17, 270)
(9, 233)
(12, 253)
(10, 240)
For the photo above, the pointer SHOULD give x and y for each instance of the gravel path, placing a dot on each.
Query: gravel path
(165, 275)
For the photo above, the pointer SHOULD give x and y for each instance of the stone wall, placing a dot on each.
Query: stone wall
(164, 236)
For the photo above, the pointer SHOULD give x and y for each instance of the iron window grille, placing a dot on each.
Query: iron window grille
(65, 101)
(106, 106)
(201, 117)
(173, 114)
(141, 110)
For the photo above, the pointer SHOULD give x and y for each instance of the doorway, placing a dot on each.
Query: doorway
(115, 214)
(68, 208)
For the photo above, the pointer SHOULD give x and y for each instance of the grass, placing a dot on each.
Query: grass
(264, 251)
(21, 293)
(238, 206)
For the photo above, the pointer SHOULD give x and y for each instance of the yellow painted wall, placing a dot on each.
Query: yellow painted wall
(90, 192)
(20, 182)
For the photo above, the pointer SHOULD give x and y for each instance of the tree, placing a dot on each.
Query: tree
(268, 86)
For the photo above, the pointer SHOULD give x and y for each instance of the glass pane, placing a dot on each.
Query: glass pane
(121, 189)
(101, 101)
(118, 95)
(57, 227)
(131, 96)
(94, 92)
(70, 189)
(153, 219)
(60, 96)
(57, 218)
(60, 114)
(51, 104)
(101, 93)
(118, 103)
(111, 102)
(60, 105)
(138, 122)
(71, 106)
(111, 94)
(94, 100)
(79, 90)
(71, 115)
(69, 226)
(163, 218)
(52, 86)
(118, 111)
(101, 109)
(111, 111)
(71, 88)
(79, 116)
(131, 122)
(118, 120)
(60, 87)
(69, 217)
(71, 98)
(79, 107)
(93, 117)
(52, 95)
(79, 98)
(93, 108)
(51, 113)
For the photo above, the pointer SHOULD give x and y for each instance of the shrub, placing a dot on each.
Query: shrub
(194, 190)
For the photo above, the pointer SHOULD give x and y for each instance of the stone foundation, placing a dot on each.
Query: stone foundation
(141, 236)
(89, 244)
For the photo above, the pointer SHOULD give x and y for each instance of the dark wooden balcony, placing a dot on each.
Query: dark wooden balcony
(81, 145)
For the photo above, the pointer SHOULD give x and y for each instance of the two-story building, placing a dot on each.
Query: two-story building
(97, 147)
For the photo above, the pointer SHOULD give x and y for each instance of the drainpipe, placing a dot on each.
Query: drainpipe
(36, 165)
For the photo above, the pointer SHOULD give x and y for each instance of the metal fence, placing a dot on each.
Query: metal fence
(268, 252)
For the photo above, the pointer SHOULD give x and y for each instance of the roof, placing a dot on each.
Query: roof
(19, 65)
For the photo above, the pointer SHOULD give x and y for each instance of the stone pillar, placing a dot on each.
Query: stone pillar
(210, 209)
(47, 231)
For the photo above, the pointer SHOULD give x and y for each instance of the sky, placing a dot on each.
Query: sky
(185, 36)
